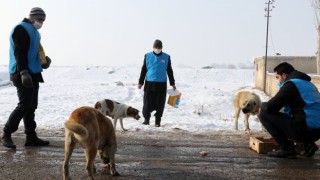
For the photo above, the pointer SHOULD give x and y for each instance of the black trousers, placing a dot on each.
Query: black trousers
(153, 101)
(285, 129)
(28, 102)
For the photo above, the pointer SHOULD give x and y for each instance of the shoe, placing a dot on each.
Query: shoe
(308, 150)
(299, 146)
(158, 120)
(291, 154)
(7, 141)
(35, 141)
(146, 122)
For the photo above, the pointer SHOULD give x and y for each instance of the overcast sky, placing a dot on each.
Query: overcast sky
(194, 32)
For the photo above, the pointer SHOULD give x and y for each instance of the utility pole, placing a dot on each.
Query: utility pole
(316, 7)
(267, 9)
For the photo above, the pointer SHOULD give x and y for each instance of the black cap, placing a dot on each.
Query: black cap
(157, 44)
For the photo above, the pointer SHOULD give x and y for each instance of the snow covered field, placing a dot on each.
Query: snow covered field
(206, 103)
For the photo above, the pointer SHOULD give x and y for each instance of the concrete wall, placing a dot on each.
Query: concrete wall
(306, 64)
(272, 86)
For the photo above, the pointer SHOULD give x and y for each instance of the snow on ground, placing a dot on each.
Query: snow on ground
(206, 102)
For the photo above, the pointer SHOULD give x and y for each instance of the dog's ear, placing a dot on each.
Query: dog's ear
(129, 110)
(132, 111)
(97, 105)
(245, 103)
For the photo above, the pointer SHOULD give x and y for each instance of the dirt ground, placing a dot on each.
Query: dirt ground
(167, 155)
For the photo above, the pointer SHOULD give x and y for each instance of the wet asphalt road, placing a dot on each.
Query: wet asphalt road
(173, 155)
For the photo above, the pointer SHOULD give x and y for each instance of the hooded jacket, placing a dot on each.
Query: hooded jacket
(299, 98)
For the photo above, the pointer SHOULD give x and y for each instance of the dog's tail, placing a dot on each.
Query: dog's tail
(77, 129)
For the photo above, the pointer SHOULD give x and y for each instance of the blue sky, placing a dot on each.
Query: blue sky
(194, 32)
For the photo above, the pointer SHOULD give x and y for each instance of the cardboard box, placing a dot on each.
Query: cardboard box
(262, 145)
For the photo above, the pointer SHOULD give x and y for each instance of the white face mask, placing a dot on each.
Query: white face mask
(157, 51)
(37, 24)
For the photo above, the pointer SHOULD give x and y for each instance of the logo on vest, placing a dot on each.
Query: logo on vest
(163, 60)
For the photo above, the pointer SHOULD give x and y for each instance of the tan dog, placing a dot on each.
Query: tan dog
(116, 111)
(94, 132)
(249, 103)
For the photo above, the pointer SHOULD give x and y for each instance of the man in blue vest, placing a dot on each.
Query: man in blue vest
(25, 72)
(156, 67)
(293, 114)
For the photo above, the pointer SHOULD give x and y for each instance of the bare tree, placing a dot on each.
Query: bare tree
(316, 7)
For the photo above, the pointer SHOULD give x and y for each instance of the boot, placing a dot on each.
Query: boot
(33, 140)
(310, 149)
(281, 153)
(146, 121)
(307, 149)
(7, 141)
(158, 120)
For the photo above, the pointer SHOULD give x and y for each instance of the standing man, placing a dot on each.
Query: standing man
(300, 119)
(156, 66)
(25, 73)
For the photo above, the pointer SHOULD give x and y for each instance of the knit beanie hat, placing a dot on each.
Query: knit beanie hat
(157, 44)
(37, 13)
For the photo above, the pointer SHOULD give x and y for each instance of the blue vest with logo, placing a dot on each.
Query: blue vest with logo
(34, 65)
(157, 67)
(311, 97)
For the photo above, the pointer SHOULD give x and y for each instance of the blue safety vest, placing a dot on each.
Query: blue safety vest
(34, 65)
(311, 97)
(157, 67)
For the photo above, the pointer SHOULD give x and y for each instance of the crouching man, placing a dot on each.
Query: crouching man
(299, 119)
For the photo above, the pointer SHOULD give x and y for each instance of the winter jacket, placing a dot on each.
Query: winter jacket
(24, 47)
(154, 72)
(300, 98)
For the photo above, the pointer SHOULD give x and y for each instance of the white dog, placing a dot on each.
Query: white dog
(116, 111)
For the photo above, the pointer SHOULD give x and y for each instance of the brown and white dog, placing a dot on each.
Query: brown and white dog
(94, 131)
(116, 111)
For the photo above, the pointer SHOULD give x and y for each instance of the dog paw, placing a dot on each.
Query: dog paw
(115, 173)
(248, 131)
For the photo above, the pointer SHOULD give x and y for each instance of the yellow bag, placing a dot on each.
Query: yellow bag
(174, 98)
(42, 55)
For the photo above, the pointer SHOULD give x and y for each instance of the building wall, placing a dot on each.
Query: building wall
(306, 64)
(272, 84)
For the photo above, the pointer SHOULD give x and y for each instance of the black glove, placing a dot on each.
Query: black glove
(46, 66)
(26, 79)
(264, 106)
